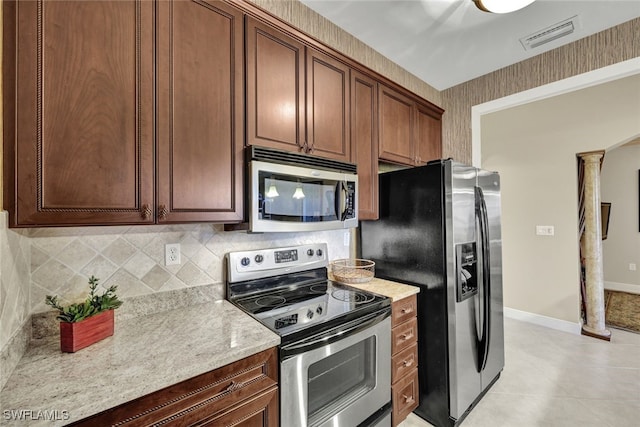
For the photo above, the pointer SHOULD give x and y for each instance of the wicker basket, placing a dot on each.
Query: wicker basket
(352, 270)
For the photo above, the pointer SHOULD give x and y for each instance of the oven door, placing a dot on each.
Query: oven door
(339, 377)
(293, 198)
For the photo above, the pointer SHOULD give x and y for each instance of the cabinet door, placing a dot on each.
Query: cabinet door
(364, 142)
(327, 107)
(428, 134)
(396, 124)
(200, 111)
(275, 88)
(82, 147)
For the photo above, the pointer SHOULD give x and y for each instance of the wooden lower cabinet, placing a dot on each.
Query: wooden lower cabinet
(404, 358)
(243, 393)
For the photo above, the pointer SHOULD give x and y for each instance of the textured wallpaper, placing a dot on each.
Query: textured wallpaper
(608, 47)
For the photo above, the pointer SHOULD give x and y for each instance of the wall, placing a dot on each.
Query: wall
(619, 186)
(534, 148)
(590, 53)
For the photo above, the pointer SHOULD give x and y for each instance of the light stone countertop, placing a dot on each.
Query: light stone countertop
(394, 290)
(144, 355)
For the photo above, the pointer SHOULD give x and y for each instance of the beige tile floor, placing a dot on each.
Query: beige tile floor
(557, 379)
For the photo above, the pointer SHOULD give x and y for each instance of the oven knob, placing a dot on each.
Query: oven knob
(310, 252)
(245, 261)
(259, 258)
(309, 314)
(319, 310)
(319, 252)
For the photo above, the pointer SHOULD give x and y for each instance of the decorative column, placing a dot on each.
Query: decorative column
(594, 279)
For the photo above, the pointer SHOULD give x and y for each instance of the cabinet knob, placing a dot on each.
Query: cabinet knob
(408, 399)
(146, 212)
(162, 212)
(406, 310)
(407, 363)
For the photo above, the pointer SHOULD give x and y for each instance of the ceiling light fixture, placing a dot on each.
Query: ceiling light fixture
(298, 194)
(501, 6)
(272, 191)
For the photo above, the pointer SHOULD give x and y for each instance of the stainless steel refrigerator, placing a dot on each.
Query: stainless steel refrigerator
(439, 229)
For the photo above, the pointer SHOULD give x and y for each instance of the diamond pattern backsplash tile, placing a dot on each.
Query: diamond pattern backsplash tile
(132, 257)
(14, 281)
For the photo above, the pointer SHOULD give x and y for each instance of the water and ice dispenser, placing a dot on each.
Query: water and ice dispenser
(466, 271)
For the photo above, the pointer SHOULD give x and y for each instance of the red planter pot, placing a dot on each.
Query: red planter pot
(78, 335)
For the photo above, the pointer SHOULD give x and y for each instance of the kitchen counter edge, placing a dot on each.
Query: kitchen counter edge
(394, 290)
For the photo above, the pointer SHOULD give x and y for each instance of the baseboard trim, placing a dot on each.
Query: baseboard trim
(548, 322)
(622, 287)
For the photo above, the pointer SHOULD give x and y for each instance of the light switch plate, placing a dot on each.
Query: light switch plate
(545, 230)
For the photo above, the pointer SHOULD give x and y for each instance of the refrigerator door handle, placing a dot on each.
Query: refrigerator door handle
(483, 221)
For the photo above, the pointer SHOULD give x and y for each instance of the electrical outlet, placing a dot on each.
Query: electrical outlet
(632, 266)
(172, 254)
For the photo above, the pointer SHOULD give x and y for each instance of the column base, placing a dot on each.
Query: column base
(603, 334)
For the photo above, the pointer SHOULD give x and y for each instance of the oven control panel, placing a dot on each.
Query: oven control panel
(259, 263)
(284, 320)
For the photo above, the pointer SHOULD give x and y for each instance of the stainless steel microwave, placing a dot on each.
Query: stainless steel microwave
(291, 192)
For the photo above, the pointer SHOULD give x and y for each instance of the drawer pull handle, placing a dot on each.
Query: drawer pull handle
(407, 310)
(407, 363)
(405, 337)
(233, 386)
(408, 399)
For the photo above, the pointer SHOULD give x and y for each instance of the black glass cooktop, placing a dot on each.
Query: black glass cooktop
(292, 307)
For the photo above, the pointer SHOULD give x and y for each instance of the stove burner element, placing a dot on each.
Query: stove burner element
(318, 289)
(352, 296)
(270, 301)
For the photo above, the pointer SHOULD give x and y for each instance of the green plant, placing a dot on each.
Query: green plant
(93, 305)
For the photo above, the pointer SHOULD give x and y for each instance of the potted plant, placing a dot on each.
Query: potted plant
(85, 323)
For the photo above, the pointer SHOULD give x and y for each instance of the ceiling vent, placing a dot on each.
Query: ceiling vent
(549, 34)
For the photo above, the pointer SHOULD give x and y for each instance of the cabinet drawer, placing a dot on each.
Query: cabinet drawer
(211, 394)
(260, 411)
(404, 335)
(404, 362)
(405, 397)
(403, 310)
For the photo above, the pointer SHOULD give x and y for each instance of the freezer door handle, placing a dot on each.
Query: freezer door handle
(483, 221)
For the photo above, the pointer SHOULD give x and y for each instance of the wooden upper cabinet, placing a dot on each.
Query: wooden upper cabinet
(200, 111)
(275, 88)
(327, 106)
(396, 126)
(410, 132)
(428, 134)
(81, 151)
(364, 142)
(297, 96)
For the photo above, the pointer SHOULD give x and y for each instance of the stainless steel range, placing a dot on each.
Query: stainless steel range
(335, 352)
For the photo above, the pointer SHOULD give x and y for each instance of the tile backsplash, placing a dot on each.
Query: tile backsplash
(62, 259)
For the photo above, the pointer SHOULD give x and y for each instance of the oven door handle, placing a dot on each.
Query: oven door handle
(335, 334)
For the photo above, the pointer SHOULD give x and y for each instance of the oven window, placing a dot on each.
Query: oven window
(342, 378)
(294, 199)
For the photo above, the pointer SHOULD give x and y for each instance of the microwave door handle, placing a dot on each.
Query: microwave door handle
(342, 200)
